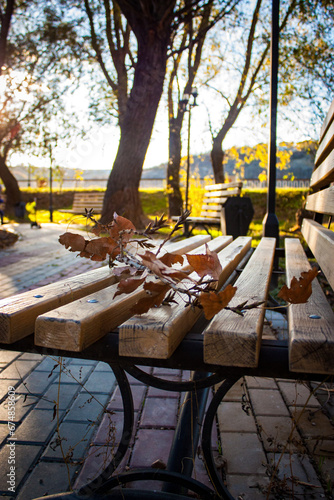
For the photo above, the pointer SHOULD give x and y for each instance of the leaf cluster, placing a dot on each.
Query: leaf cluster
(137, 262)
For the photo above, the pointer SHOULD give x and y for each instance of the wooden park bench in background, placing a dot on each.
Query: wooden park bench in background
(79, 317)
(223, 208)
(83, 200)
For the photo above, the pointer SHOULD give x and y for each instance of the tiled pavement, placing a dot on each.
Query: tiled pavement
(255, 431)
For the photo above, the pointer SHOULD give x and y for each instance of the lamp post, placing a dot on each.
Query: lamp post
(270, 221)
(50, 183)
(186, 105)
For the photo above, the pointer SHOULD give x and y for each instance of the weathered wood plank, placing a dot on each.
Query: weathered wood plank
(311, 341)
(322, 201)
(158, 333)
(321, 242)
(233, 340)
(77, 325)
(326, 145)
(228, 185)
(324, 174)
(18, 313)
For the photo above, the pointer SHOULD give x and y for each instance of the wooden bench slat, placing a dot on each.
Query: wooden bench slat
(329, 118)
(157, 333)
(322, 201)
(324, 174)
(228, 185)
(86, 200)
(77, 325)
(18, 313)
(186, 245)
(222, 192)
(326, 145)
(233, 340)
(321, 242)
(311, 341)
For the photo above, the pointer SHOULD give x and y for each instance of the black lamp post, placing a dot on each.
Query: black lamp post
(270, 221)
(186, 105)
(50, 183)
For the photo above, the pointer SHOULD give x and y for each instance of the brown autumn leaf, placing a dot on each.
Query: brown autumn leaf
(160, 269)
(206, 264)
(119, 224)
(75, 242)
(129, 285)
(169, 259)
(300, 289)
(102, 247)
(214, 302)
(157, 293)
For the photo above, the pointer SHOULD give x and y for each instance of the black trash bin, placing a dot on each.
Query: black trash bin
(237, 214)
(20, 210)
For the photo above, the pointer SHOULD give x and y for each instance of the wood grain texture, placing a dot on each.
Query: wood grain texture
(321, 242)
(18, 313)
(79, 324)
(322, 201)
(233, 340)
(311, 341)
(158, 333)
(324, 174)
(326, 145)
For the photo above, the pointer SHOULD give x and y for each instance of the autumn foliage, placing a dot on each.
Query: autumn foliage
(160, 274)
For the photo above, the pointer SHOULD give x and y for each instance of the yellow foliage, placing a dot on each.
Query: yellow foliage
(196, 190)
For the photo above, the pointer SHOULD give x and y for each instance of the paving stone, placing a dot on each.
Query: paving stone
(275, 432)
(47, 478)
(87, 407)
(23, 405)
(138, 393)
(231, 417)
(313, 423)
(247, 487)
(25, 456)
(260, 383)
(37, 427)
(30, 356)
(98, 458)
(160, 372)
(236, 392)
(267, 402)
(3, 433)
(75, 438)
(36, 383)
(102, 382)
(298, 394)
(67, 392)
(295, 473)
(51, 364)
(159, 412)
(321, 447)
(18, 370)
(77, 373)
(154, 392)
(151, 445)
(243, 453)
(8, 356)
(111, 428)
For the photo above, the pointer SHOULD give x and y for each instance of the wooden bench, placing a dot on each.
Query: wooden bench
(222, 208)
(77, 317)
(86, 200)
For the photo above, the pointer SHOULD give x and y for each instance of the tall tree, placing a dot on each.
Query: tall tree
(6, 14)
(298, 57)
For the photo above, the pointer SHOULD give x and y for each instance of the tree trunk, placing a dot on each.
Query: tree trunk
(13, 193)
(122, 195)
(217, 158)
(175, 202)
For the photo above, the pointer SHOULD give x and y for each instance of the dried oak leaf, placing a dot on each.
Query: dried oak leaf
(102, 246)
(120, 224)
(75, 242)
(160, 269)
(206, 264)
(300, 289)
(129, 285)
(157, 293)
(169, 259)
(214, 302)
